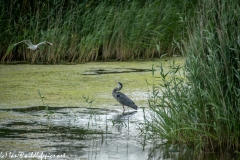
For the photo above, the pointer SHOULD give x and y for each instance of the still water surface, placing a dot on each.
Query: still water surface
(101, 132)
(76, 133)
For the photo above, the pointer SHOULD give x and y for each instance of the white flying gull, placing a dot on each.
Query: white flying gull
(32, 46)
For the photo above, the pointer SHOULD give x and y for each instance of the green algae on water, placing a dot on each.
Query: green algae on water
(65, 85)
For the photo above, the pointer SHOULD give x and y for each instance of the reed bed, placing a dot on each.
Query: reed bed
(83, 31)
(200, 106)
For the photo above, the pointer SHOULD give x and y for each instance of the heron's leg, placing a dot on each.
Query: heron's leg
(123, 108)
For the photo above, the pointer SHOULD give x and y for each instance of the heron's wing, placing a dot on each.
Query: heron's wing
(28, 42)
(123, 99)
(45, 42)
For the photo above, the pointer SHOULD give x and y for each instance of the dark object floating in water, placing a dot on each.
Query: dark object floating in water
(42, 108)
(35, 108)
(114, 71)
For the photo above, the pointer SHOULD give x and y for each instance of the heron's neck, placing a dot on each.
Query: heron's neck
(117, 89)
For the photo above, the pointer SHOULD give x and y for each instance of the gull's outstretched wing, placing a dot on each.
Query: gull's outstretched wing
(45, 42)
(28, 42)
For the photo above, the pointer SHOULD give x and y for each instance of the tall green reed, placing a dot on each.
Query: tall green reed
(201, 107)
(89, 31)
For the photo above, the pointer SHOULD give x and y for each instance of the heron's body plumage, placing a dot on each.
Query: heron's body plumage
(122, 98)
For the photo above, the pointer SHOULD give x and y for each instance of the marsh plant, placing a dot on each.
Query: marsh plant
(199, 105)
(84, 31)
(49, 113)
(92, 112)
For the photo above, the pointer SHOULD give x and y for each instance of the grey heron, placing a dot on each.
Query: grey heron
(122, 98)
(32, 46)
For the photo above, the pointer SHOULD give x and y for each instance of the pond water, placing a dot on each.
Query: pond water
(65, 85)
(75, 115)
(76, 133)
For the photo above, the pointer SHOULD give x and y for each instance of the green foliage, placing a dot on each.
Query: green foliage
(88, 30)
(49, 112)
(202, 108)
